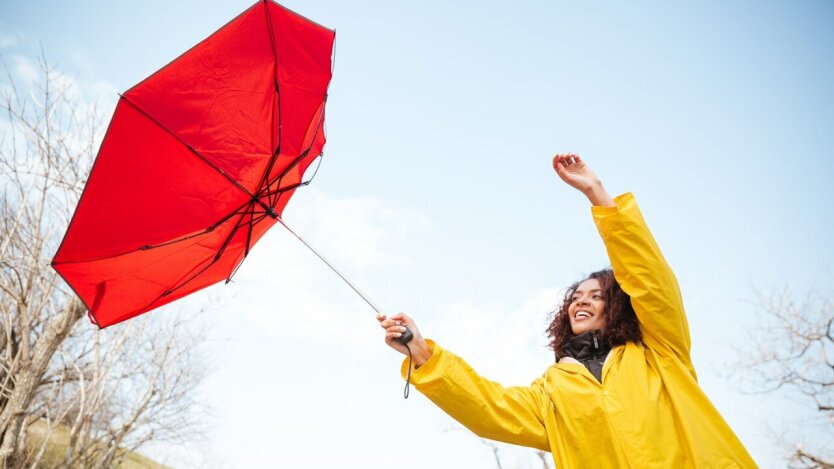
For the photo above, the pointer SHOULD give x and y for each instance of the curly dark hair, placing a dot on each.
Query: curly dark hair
(620, 321)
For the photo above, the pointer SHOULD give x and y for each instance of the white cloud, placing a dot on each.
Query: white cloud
(506, 343)
(27, 74)
(88, 101)
(361, 230)
(286, 288)
(9, 39)
(25, 70)
(103, 92)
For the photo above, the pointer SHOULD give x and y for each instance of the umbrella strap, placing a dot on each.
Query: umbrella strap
(408, 377)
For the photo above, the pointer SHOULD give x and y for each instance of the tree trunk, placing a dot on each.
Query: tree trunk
(14, 413)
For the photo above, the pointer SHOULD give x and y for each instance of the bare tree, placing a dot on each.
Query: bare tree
(498, 450)
(112, 390)
(136, 387)
(793, 352)
(42, 166)
(129, 386)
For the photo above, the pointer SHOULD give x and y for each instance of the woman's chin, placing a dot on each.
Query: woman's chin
(581, 328)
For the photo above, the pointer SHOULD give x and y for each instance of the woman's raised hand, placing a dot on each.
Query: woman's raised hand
(394, 328)
(571, 169)
(574, 171)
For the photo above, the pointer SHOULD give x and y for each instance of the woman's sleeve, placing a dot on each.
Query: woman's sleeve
(643, 273)
(490, 410)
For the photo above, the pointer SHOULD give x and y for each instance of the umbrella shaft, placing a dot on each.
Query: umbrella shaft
(334, 269)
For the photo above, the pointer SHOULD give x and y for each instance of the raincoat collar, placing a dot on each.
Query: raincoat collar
(588, 349)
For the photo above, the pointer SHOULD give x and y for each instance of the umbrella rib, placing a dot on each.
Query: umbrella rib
(232, 233)
(183, 283)
(252, 223)
(152, 246)
(265, 178)
(188, 146)
(216, 256)
(277, 97)
(249, 234)
(269, 193)
(277, 179)
(283, 189)
(207, 230)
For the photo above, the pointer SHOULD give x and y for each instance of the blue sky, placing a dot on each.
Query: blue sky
(436, 196)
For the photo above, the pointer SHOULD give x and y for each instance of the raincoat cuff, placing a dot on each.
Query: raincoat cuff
(418, 375)
(623, 201)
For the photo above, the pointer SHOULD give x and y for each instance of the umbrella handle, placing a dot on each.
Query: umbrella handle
(406, 337)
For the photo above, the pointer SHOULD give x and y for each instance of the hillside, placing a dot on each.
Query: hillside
(58, 441)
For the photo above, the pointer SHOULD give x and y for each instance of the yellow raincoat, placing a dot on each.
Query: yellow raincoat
(649, 411)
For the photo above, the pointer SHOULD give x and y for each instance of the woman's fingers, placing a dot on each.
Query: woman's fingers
(568, 159)
(401, 317)
(390, 322)
(565, 161)
(397, 317)
(567, 164)
(395, 328)
(560, 164)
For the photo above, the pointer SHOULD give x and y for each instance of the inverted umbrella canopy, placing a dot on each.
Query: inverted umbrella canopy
(198, 162)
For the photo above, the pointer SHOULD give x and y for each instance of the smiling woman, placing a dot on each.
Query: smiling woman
(623, 392)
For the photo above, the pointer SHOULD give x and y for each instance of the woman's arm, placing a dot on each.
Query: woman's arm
(490, 410)
(638, 264)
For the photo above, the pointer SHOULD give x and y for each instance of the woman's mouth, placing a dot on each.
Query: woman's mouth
(580, 315)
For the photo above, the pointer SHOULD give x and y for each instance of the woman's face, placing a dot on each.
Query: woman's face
(586, 307)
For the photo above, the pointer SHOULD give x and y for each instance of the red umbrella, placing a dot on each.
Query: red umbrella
(199, 160)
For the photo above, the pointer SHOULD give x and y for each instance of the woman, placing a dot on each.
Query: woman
(624, 392)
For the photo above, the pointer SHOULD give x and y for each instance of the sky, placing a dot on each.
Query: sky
(437, 198)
